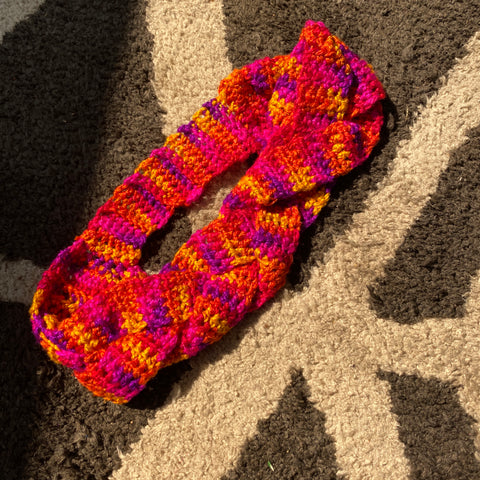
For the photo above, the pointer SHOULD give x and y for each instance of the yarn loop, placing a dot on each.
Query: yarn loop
(310, 117)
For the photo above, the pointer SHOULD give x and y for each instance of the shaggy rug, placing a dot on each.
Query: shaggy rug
(367, 364)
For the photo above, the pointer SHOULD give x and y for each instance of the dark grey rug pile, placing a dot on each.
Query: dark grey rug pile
(367, 365)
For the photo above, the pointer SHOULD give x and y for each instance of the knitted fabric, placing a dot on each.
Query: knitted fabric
(310, 116)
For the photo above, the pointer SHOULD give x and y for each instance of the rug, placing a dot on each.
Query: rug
(367, 364)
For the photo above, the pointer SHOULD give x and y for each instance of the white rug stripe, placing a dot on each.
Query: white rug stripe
(190, 59)
(441, 127)
(206, 210)
(328, 330)
(14, 11)
(189, 55)
(18, 280)
(447, 349)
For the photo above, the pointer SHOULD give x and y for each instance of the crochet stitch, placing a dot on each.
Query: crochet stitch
(310, 116)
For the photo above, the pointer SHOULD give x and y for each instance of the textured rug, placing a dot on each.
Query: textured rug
(367, 364)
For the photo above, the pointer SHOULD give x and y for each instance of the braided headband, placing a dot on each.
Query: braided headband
(311, 116)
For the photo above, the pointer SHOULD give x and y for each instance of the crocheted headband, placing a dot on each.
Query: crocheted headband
(311, 116)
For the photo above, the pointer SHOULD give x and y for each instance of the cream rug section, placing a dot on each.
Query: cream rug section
(18, 280)
(14, 11)
(190, 59)
(330, 331)
(189, 55)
